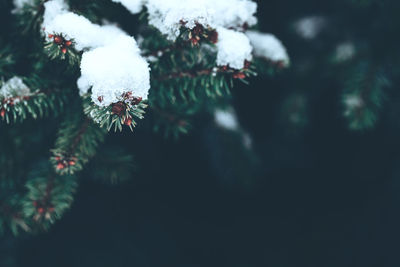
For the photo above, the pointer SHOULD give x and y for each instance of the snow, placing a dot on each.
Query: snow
(247, 140)
(20, 4)
(344, 51)
(84, 33)
(226, 119)
(53, 8)
(14, 87)
(111, 63)
(114, 70)
(233, 48)
(268, 46)
(233, 13)
(353, 101)
(83, 85)
(134, 6)
(310, 27)
(167, 15)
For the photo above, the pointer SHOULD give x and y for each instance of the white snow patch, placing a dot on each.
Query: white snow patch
(233, 13)
(114, 70)
(268, 46)
(84, 33)
(83, 85)
(14, 87)
(226, 119)
(344, 51)
(233, 48)
(353, 101)
(168, 15)
(53, 8)
(310, 27)
(247, 140)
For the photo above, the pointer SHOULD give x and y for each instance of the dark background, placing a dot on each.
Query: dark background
(323, 196)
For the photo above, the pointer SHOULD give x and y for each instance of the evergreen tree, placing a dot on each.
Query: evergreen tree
(93, 68)
(77, 75)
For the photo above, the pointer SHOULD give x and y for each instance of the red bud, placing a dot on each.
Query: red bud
(239, 75)
(60, 166)
(58, 39)
(137, 100)
(128, 121)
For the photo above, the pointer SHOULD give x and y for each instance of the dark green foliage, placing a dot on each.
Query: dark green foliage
(96, 11)
(265, 67)
(48, 197)
(11, 216)
(173, 123)
(339, 101)
(235, 161)
(365, 3)
(6, 60)
(31, 17)
(77, 141)
(294, 113)
(186, 84)
(363, 96)
(112, 165)
(43, 200)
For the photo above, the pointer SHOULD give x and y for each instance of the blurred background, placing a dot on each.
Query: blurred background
(297, 185)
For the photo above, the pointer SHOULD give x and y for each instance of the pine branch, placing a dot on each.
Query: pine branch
(193, 73)
(48, 197)
(61, 48)
(11, 216)
(77, 141)
(364, 95)
(118, 114)
(6, 60)
(111, 165)
(38, 104)
(30, 17)
(183, 71)
(268, 67)
(171, 123)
